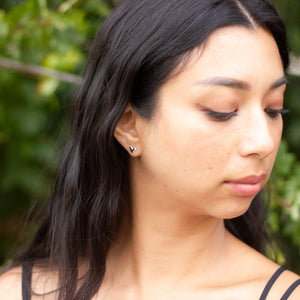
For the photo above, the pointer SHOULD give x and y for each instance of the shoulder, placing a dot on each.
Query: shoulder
(282, 283)
(279, 282)
(259, 270)
(44, 282)
(286, 285)
(288, 282)
(11, 284)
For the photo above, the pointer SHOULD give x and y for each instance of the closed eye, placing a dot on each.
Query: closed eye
(220, 116)
(275, 113)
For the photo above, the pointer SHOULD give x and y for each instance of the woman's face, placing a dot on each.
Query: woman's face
(218, 122)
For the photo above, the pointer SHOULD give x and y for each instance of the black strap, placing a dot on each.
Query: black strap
(271, 282)
(290, 290)
(26, 281)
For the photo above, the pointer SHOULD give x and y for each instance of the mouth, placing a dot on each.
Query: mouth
(247, 186)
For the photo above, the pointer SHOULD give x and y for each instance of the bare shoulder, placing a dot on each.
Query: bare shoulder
(44, 283)
(259, 269)
(285, 281)
(288, 282)
(11, 284)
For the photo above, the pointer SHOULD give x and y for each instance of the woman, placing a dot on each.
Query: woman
(175, 129)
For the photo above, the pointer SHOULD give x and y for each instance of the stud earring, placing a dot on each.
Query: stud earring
(132, 149)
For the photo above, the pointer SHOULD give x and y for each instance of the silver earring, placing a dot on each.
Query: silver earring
(132, 149)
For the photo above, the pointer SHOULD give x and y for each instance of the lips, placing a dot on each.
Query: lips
(247, 186)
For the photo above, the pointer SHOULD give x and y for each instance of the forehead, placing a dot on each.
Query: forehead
(235, 52)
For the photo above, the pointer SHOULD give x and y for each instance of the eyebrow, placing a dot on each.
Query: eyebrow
(238, 84)
(281, 81)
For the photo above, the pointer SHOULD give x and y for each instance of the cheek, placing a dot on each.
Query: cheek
(278, 132)
(190, 145)
(275, 131)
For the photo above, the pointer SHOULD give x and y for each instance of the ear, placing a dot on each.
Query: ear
(126, 132)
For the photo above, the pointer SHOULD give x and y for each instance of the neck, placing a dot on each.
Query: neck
(180, 248)
(170, 251)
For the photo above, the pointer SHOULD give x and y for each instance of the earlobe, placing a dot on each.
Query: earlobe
(132, 149)
(126, 132)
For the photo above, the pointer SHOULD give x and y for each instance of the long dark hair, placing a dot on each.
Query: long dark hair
(133, 54)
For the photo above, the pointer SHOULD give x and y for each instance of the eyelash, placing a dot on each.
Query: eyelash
(219, 116)
(222, 117)
(274, 113)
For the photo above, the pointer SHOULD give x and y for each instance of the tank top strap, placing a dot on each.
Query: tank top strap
(26, 281)
(290, 290)
(271, 282)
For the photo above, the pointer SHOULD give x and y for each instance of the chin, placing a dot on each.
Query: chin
(235, 210)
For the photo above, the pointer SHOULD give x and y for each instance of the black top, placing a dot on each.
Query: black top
(27, 274)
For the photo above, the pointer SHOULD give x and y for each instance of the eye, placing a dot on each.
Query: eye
(275, 113)
(220, 116)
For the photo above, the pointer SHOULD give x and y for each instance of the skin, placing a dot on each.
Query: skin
(177, 247)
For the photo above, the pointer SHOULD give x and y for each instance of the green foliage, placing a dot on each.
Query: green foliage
(56, 34)
(292, 122)
(52, 35)
(289, 10)
(284, 215)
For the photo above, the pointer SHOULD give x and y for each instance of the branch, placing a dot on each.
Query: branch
(38, 71)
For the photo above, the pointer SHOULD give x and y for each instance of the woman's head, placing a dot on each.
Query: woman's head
(137, 50)
(212, 142)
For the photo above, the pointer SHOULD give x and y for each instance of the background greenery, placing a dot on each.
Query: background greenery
(57, 34)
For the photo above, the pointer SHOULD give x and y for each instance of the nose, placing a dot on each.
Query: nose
(259, 136)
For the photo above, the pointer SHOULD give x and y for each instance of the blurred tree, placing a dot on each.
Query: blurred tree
(8, 4)
(55, 35)
(284, 206)
(290, 12)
